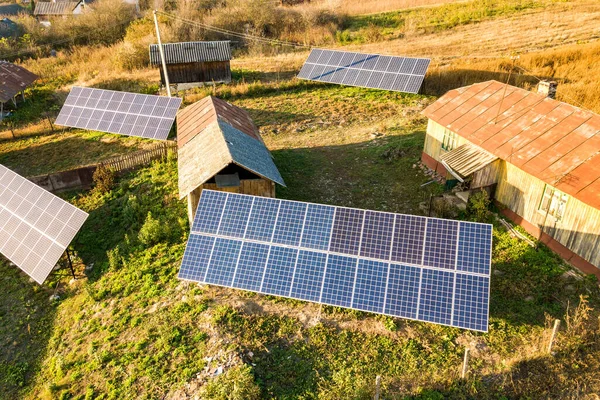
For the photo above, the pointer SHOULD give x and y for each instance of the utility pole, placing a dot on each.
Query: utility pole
(162, 56)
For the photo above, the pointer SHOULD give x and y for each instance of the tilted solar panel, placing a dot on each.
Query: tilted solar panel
(124, 113)
(35, 226)
(400, 74)
(407, 266)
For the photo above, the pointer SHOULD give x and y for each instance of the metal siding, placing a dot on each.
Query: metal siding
(191, 52)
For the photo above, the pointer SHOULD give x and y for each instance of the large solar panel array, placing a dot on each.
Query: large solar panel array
(124, 113)
(400, 74)
(35, 226)
(406, 266)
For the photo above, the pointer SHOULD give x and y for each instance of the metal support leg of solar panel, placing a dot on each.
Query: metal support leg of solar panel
(69, 264)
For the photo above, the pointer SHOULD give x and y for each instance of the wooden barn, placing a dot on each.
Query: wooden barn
(219, 148)
(541, 155)
(46, 10)
(13, 81)
(194, 62)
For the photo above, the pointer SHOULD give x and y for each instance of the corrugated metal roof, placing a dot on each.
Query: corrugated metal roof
(13, 79)
(195, 118)
(188, 52)
(55, 8)
(467, 159)
(210, 137)
(551, 140)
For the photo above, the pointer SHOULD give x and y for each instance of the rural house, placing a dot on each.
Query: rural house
(194, 62)
(219, 148)
(13, 80)
(45, 10)
(542, 156)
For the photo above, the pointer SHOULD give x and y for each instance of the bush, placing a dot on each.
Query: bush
(237, 383)
(478, 206)
(104, 179)
(152, 232)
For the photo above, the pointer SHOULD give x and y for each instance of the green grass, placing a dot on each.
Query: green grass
(395, 24)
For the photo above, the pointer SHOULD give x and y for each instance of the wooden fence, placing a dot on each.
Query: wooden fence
(82, 177)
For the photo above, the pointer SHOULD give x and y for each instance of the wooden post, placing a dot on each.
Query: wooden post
(50, 122)
(377, 386)
(465, 363)
(554, 330)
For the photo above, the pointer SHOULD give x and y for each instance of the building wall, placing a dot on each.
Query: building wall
(576, 237)
(198, 72)
(579, 228)
(256, 187)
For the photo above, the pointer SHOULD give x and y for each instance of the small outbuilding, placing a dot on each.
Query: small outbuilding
(14, 80)
(194, 62)
(220, 148)
(8, 28)
(542, 157)
(46, 10)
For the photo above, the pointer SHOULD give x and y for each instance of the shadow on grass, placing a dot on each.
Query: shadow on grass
(61, 154)
(26, 323)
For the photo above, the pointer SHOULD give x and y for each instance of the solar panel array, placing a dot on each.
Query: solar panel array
(406, 266)
(400, 74)
(124, 113)
(35, 226)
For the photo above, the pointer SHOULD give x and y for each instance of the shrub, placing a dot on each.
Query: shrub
(152, 231)
(104, 179)
(478, 206)
(237, 383)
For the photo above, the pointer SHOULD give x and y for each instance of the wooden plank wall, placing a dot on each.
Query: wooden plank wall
(198, 72)
(578, 230)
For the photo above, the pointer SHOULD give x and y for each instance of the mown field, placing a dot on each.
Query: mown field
(128, 328)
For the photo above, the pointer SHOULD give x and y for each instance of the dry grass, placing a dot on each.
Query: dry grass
(360, 7)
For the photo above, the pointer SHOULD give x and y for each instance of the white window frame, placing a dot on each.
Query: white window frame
(449, 140)
(556, 200)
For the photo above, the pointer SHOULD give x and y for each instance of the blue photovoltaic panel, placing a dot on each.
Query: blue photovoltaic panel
(339, 280)
(435, 303)
(407, 266)
(308, 277)
(223, 260)
(377, 235)
(251, 266)
(280, 268)
(347, 229)
(317, 227)
(235, 216)
(440, 246)
(409, 237)
(470, 299)
(474, 248)
(403, 291)
(289, 223)
(369, 292)
(196, 257)
(400, 74)
(209, 211)
(262, 219)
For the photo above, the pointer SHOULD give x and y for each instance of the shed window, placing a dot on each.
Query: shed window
(449, 141)
(553, 202)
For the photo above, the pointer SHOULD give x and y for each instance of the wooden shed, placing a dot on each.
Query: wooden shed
(543, 155)
(194, 62)
(14, 80)
(219, 148)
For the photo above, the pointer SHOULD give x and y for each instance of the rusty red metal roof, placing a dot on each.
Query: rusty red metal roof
(195, 118)
(13, 79)
(551, 140)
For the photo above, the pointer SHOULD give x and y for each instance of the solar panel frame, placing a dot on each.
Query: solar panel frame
(401, 74)
(123, 113)
(410, 289)
(36, 227)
